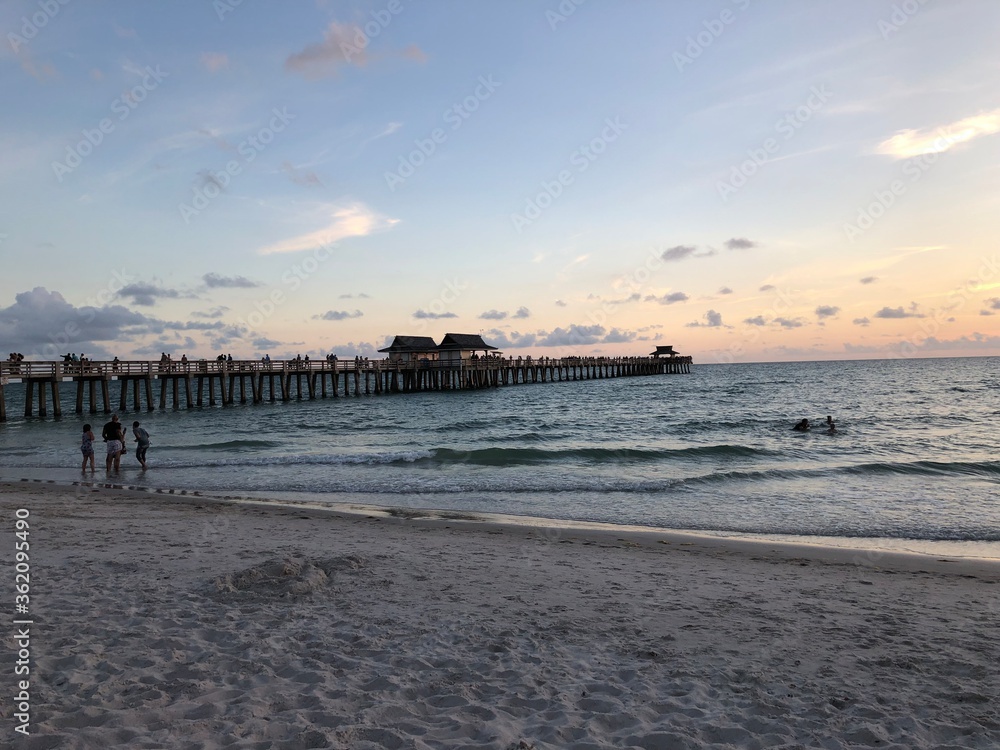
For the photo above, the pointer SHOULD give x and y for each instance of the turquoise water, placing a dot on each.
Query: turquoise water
(915, 455)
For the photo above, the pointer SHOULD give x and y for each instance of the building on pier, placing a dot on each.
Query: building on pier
(411, 349)
(664, 351)
(458, 347)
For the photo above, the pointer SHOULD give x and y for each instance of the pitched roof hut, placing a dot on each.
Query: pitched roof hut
(409, 348)
(664, 351)
(458, 346)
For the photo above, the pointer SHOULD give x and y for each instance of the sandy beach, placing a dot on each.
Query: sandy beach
(169, 621)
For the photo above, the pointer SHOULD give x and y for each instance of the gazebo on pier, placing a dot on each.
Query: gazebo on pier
(456, 347)
(411, 348)
(664, 351)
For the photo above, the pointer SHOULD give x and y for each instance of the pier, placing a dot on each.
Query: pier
(190, 384)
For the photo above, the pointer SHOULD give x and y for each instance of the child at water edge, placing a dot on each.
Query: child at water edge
(87, 448)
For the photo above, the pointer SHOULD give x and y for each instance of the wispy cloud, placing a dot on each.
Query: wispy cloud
(712, 319)
(909, 143)
(217, 281)
(344, 44)
(213, 62)
(678, 252)
(740, 243)
(898, 312)
(668, 299)
(338, 315)
(304, 177)
(353, 220)
(388, 130)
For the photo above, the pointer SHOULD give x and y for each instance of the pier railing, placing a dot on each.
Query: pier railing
(272, 380)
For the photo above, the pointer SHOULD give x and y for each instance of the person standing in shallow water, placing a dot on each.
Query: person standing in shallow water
(114, 436)
(141, 443)
(87, 448)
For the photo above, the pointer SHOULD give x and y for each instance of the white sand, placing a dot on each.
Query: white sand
(169, 622)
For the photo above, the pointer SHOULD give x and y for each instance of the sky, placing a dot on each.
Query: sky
(744, 181)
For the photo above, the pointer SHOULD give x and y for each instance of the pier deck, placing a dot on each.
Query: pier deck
(255, 381)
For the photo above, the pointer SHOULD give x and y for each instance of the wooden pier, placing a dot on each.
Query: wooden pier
(255, 381)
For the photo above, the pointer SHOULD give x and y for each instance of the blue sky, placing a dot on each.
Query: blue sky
(744, 180)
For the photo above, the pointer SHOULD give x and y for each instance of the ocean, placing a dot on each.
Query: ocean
(913, 462)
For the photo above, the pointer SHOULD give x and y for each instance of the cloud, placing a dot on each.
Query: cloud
(767, 288)
(146, 294)
(994, 303)
(909, 143)
(976, 342)
(338, 315)
(207, 177)
(40, 71)
(424, 315)
(740, 243)
(574, 335)
(343, 45)
(869, 279)
(712, 318)
(214, 61)
(760, 321)
(217, 281)
(618, 336)
(897, 312)
(725, 290)
(634, 297)
(44, 321)
(668, 299)
(388, 130)
(861, 322)
(826, 311)
(353, 220)
(560, 303)
(520, 314)
(215, 312)
(306, 178)
(359, 295)
(511, 340)
(679, 252)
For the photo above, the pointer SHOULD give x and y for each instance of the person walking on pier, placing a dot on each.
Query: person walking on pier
(114, 436)
(141, 443)
(87, 448)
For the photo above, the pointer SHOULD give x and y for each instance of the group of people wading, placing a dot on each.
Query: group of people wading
(113, 434)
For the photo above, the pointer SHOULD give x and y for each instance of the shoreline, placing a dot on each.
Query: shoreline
(872, 552)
